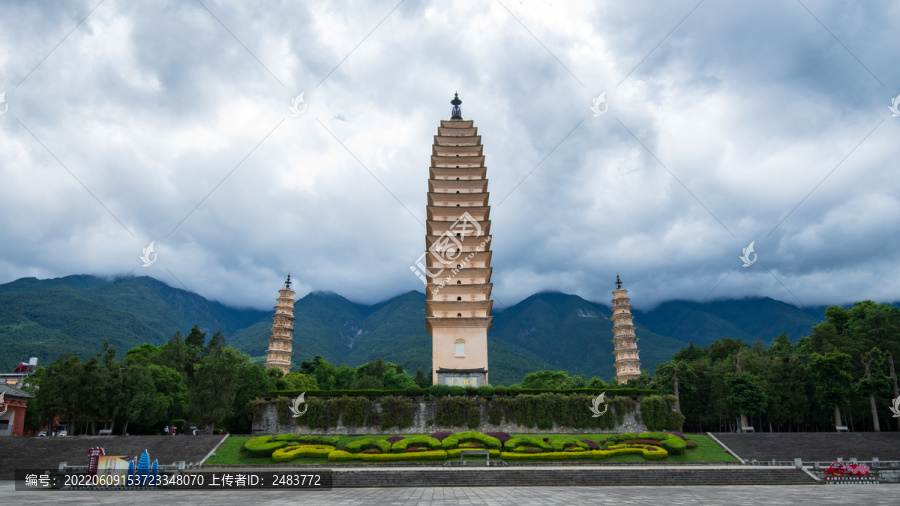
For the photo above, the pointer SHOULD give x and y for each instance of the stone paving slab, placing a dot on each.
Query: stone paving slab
(516, 496)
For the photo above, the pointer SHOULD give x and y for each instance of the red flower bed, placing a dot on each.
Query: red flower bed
(416, 449)
(371, 450)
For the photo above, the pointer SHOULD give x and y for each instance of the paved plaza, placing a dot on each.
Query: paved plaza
(518, 496)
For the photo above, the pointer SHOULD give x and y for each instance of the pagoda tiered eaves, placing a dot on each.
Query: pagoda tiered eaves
(458, 293)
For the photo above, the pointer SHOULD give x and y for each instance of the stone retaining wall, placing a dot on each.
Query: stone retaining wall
(423, 423)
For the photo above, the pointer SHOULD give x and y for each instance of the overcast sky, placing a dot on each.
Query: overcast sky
(725, 123)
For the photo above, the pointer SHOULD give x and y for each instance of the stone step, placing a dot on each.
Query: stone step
(813, 446)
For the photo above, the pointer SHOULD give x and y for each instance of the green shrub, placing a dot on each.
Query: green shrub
(591, 454)
(657, 413)
(516, 442)
(486, 391)
(495, 412)
(421, 441)
(455, 411)
(452, 442)
(618, 438)
(360, 412)
(290, 453)
(691, 444)
(514, 390)
(649, 452)
(560, 444)
(319, 440)
(368, 444)
(263, 446)
(342, 456)
(457, 391)
(397, 412)
(439, 390)
(659, 436)
(474, 418)
(413, 391)
(500, 390)
(674, 445)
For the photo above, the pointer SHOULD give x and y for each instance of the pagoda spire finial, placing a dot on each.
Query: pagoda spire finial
(287, 282)
(456, 112)
(618, 282)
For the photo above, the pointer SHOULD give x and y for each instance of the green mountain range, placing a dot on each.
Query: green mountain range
(548, 330)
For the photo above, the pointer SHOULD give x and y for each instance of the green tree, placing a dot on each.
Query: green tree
(253, 382)
(214, 386)
(831, 379)
(745, 395)
(557, 380)
(420, 379)
(141, 402)
(875, 381)
(174, 354)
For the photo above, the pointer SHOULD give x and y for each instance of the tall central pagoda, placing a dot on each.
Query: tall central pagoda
(458, 294)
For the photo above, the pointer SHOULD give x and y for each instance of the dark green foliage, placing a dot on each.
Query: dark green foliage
(657, 413)
(453, 411)
(397, 412)
(360, 412)
(474, 416)
(439, 390)
(485, 391)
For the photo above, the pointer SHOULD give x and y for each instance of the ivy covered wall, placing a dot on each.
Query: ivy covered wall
(546, 412)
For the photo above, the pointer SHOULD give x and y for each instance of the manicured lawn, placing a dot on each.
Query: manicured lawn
(707, 450)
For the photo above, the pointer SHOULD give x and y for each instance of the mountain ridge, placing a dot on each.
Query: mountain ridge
(547, 330)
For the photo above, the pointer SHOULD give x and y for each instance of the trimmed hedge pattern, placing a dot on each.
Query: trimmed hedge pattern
(342, 456)
(263, 446)
(453, 441)
(516, 442)
(290, 453)
(420, 441)
(368, 444)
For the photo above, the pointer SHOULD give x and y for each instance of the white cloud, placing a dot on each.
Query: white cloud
(750, 107)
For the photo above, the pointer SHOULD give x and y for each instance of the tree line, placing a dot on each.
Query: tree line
(842, 374)
(185, 380)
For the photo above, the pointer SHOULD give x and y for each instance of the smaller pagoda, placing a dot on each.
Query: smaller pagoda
(628, 362)
(279, 352)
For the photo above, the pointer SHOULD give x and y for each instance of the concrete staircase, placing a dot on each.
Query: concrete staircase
(813, 446)
(48, 452)
(579, 476)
